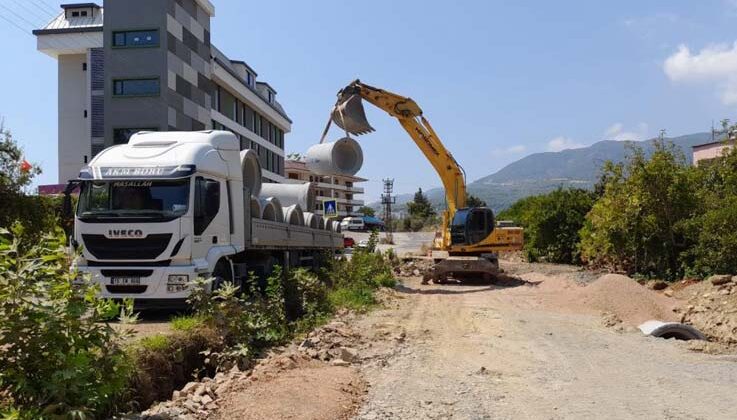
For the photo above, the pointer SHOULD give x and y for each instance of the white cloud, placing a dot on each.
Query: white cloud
(561, 143)
(511, 150)
(716, 64)
(617, 132)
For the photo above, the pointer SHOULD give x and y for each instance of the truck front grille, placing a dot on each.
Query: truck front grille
(147, 248)
(126, 273)
(138, 289)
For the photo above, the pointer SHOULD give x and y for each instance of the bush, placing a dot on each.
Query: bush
(60, 357)
(552, 222)
(187, 323)
(639, 223)
(713, 230)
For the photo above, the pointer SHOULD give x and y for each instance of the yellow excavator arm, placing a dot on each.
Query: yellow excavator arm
(409, 115)
(473, 231)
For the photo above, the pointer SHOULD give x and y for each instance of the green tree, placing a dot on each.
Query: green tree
(420, 206)
(15, 173)
(367, 211)
(552, 222)
(420, 213)
(639, 223)
(473, 201)
(713, 230)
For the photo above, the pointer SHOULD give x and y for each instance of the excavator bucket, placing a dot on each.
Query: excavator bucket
(349, 115)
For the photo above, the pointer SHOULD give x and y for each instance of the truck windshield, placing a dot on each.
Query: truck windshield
(134, 199)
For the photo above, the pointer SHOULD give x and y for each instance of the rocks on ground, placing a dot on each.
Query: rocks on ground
(331, 346)
(712, 308)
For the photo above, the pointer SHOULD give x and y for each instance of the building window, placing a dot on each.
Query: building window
(136, 38)
(271, 97)
(122, 135)
(136, 87)
(84, 66)
(249, 79)
(75, 14)
(83, 13)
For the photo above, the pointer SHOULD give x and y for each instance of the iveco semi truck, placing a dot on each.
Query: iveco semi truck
(166, 207)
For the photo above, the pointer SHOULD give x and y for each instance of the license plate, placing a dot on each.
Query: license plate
(125, 281)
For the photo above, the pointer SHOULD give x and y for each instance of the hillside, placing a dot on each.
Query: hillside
(543, 172)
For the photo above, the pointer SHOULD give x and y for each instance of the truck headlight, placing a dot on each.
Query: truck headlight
(178, 279)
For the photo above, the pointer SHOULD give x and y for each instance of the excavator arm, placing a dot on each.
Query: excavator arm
(348, 114)
(409, 115)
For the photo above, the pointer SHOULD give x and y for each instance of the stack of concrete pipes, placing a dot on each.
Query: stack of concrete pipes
(286, 202)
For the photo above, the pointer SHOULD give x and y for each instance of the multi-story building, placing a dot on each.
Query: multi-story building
(149, 65)
(705, 153)
(340, 188)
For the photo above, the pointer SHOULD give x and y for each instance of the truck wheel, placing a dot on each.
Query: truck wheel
(221, 274)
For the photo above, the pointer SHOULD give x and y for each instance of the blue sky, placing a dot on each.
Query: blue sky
(498, 80)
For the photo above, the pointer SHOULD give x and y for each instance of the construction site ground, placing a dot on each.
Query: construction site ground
(549, 342)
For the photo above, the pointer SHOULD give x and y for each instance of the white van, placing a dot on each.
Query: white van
(352, 223)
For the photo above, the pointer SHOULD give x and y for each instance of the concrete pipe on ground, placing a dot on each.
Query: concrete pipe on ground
(251, 169)
(291, 194)
(271, 209)
(256, 211)
(293, 215)
(341, 157)
(675, 330)
(336, 226)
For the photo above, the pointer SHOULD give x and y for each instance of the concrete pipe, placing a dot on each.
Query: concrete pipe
(341, 157)
(312, 220)
(671, 330)
(336, 226)
(327, 224)
(320, 222)
(271, 209)
(255, 208)
(251, 169)
(291, 194)
(293, 215)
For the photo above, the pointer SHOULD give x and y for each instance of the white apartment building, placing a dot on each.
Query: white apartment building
(149, 65)
(340, 188)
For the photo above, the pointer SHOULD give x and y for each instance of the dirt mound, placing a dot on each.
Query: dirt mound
(617, 298)
(627, 300)
(315, 391)
(712, 308)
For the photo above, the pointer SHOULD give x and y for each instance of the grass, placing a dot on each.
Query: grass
(358, 297)
(187, 323)
(156, 342)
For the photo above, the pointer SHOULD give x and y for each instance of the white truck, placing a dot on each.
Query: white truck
(166, 207)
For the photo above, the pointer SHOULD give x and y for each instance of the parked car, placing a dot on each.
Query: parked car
(348, 242)
(352, 223)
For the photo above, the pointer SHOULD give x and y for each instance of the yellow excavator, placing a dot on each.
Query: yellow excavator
(469, 241)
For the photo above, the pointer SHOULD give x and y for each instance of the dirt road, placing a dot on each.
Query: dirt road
(478, 352)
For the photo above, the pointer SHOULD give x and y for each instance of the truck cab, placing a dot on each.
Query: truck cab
(168, 207)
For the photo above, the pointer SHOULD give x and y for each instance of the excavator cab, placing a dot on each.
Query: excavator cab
(471, 225)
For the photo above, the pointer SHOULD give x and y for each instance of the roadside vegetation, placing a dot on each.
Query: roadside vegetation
(61, 358)
(652, 216)
(552, 223)
(420, 214)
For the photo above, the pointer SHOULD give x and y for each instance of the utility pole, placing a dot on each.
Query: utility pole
(387, 199)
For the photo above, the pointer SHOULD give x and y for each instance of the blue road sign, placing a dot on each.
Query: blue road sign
(331, 208)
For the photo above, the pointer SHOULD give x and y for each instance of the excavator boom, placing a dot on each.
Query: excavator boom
(466, 233)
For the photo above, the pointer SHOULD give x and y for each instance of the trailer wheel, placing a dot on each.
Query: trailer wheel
(221, 274)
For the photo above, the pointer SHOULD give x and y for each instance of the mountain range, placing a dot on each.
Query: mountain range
(543, 172)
